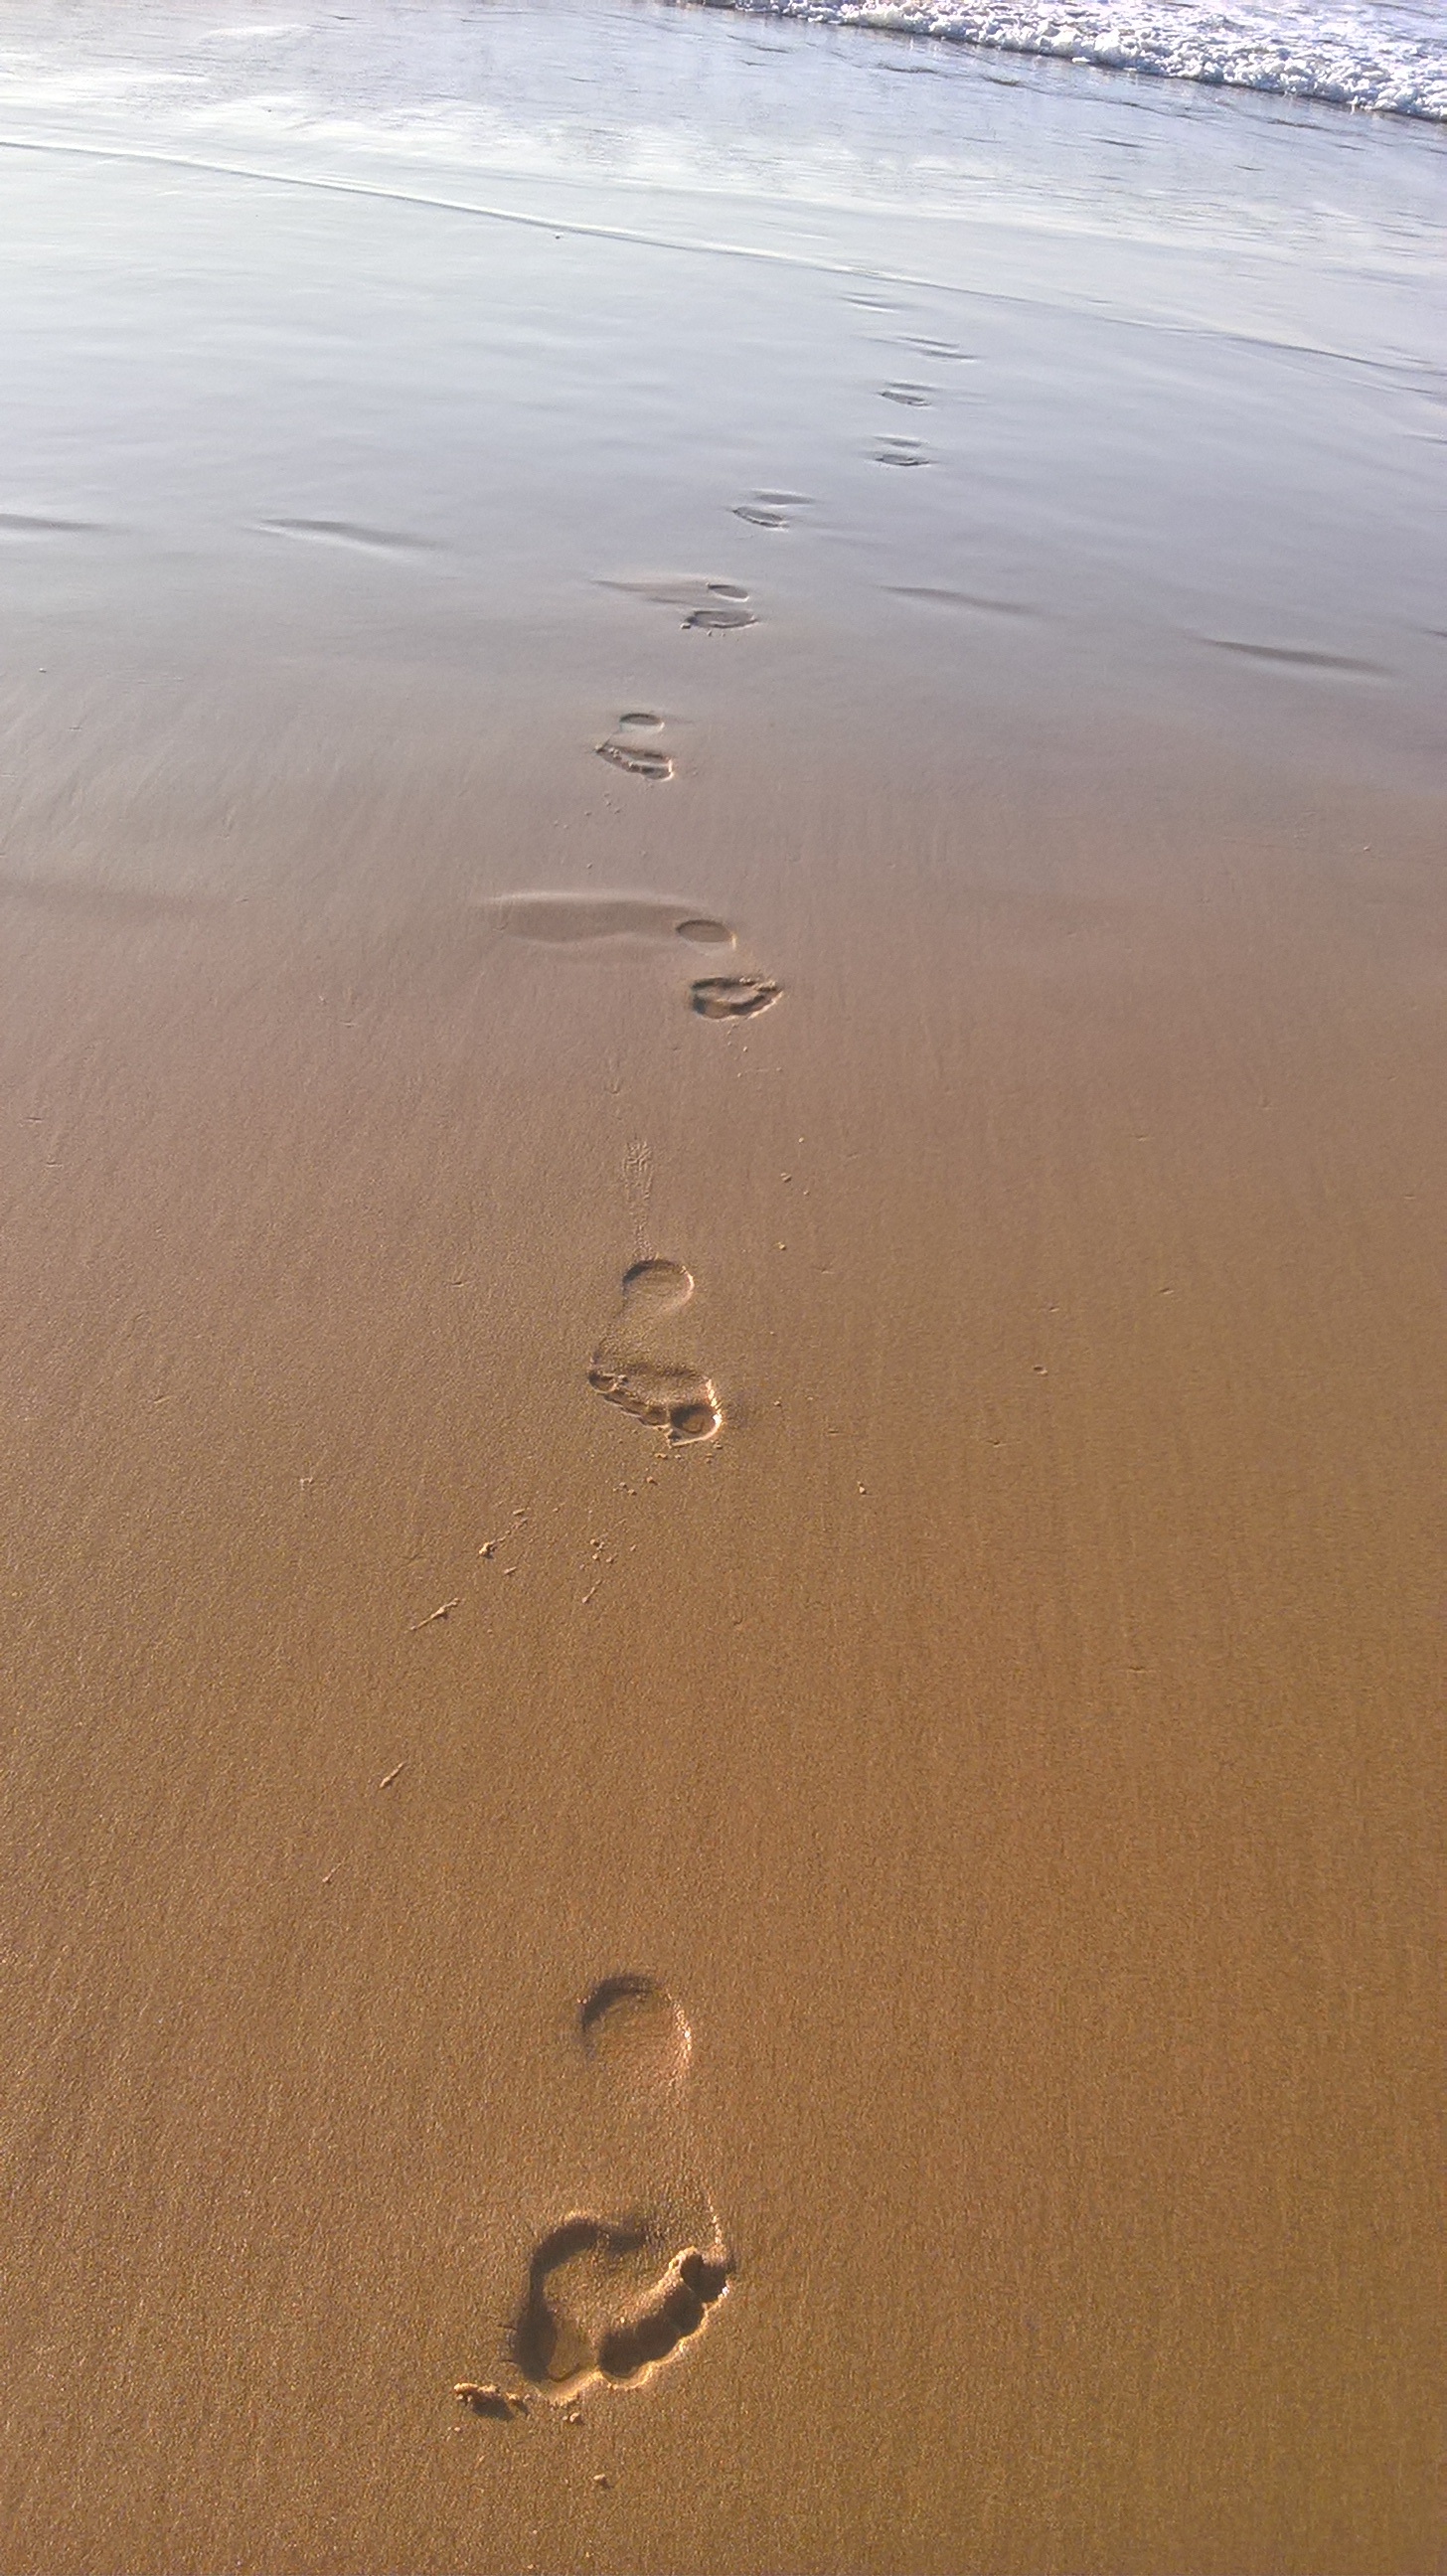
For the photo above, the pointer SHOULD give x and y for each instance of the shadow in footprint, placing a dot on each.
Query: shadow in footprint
(899, 451)
(628, 1371)
(609, 2299)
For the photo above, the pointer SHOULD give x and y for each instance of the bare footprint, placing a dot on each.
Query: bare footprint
(714, 606)
(610, 2298)
(575, 920)
(732, 997)
(628, 1370)
(636, 745)
(770, 509)
(569, 919)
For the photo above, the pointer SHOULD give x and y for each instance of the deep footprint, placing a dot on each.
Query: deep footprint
(608, 2300)
(586, 2266)
(675, 1399)
(714, 606)
(733, 997)
(633, 746)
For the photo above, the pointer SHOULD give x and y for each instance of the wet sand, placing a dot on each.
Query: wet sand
(721, 1483)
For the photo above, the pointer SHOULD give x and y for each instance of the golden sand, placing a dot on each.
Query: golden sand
(725, 1622)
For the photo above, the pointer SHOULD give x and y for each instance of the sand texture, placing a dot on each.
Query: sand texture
(722, 1374)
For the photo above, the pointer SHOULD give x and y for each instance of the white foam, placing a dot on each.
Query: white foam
(1385, 55)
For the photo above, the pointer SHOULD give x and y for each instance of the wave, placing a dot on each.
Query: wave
(1389, 56)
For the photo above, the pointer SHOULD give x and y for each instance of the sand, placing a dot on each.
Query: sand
(866, 1966)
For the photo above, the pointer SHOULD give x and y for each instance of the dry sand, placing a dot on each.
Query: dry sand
(901, 1927)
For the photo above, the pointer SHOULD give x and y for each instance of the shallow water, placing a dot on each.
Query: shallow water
(1170, 361)
(1387, 55)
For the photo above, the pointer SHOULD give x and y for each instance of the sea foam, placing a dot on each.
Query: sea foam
(1385, 55)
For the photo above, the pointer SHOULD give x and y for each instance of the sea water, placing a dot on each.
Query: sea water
(528, 281)
(1388, 55)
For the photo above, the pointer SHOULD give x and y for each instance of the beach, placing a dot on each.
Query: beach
(721, 839)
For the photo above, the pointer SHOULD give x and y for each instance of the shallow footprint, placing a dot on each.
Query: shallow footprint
(569, 919)
(733, 997)
(770, 509)
(899, 451)
(629, 1371)
(913, 397)
(610, 2298)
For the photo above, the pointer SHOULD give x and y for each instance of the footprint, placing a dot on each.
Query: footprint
(770, 509)
(720, 620)
(610, 2298)
(714, 606)
(566, 919)
(626, 1370)
(913, 397)
(732, 997)
(570, 920)
(633, 745)
(899, 451)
